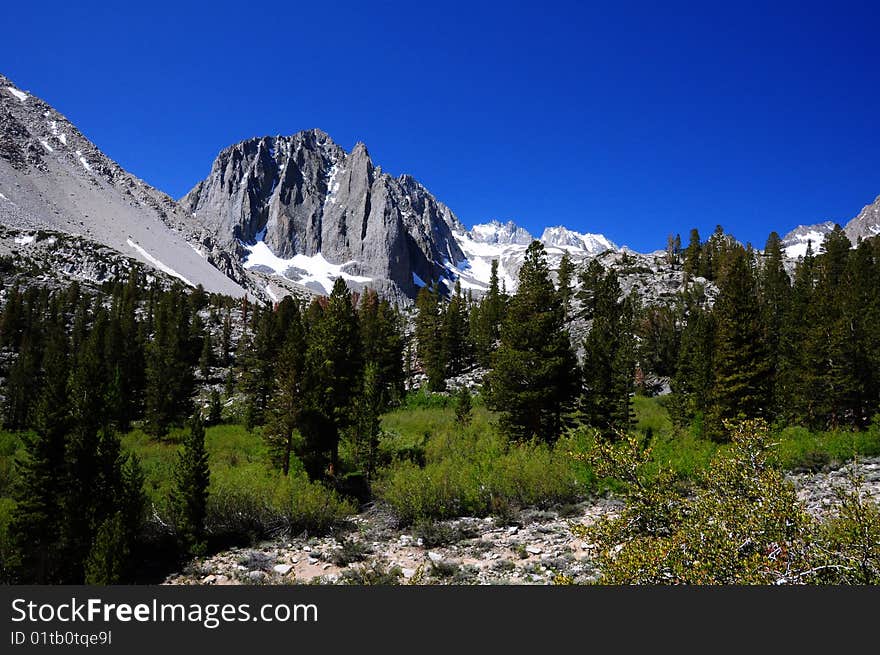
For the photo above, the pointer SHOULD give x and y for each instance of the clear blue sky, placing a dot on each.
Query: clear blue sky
(634, 119)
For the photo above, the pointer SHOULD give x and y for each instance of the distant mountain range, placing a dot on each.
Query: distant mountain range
(863, 226)
(275, 215)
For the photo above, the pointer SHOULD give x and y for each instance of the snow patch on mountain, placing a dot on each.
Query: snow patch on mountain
(794, 244)
(21, 95)
(507, 243)
(158, 264)
(314, 272)
(562, 237)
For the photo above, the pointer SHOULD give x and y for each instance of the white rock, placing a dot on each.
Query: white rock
(534, 550)
(282, 569)
(435, 557)
(313, 560)
(408, 573)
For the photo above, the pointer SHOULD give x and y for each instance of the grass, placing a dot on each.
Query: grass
(432, 468)
(468, 470)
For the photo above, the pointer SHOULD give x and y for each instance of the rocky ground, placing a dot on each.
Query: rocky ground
(532, 548)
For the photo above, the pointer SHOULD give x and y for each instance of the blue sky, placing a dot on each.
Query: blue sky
(633, 119)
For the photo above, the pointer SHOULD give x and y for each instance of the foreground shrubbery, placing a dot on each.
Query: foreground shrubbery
(742, 524)
(472, 470)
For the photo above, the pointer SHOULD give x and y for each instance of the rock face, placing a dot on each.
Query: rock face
(863, 226)
(53, 178)
(304, 196)
(866, 224)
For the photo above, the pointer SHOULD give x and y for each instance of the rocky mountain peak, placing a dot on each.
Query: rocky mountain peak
(291, 205)
(496, 232)
(562, 237)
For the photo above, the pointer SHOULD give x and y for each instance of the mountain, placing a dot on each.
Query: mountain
(302, 207)
(863, 226)
(795, 242)
(866, 224)
(53, 178)
(507, 243)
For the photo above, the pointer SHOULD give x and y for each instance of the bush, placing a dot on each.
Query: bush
(471, 470)
(249, 507)
(742, 524)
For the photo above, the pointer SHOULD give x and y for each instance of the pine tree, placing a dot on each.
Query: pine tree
(841, 388)
(286, 404)
(609, 360)
(190, 495)
(169, 365)
(257, 369)
(800, 348)
(741, 380)
(693, 375)
(215, 409)
(487, 319)
(109, 556)
(534, 378)
(430, 344)
(37, 518)
(368, 406)
(333, 376)
(774, 291)
(693, 254)
(206, 358)
(382, 343)
(456, 340)
(565, 275)
(463, 406)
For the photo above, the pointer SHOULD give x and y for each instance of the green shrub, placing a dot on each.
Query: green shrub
(472, 470)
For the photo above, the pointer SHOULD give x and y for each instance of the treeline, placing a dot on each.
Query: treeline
(793, 349)
(802, 350)
(81, 369)
(85, 368)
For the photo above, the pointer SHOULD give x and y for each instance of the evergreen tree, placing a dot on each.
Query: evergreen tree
(487, 319)
(42, 483)
(430, 344)
(366, 430)
(800, 355)
(109, 556)
(741, 376)
(463, 406)
(565, 275)
(169, 365)
(333, 376)
(693, 376)
(609, 360)
(206, 358)
(382, 343)
(215, 409)
(456, 340)
(190, 495)
(774, 290)
(693, 254)
(257, 368)
(534, 378)
(286, 404)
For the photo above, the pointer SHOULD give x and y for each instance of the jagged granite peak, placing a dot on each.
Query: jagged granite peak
(53, 178)
(562, 237)
(866, 224)
(863, 226)
(311, 204)
(794, 244)
(496, 232)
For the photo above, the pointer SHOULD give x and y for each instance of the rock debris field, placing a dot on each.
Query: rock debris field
(532, 548)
